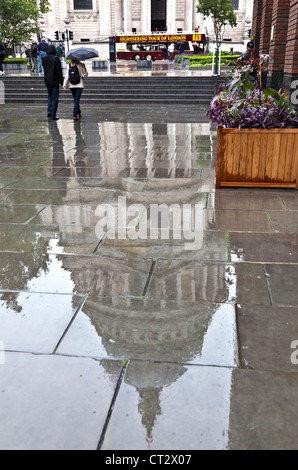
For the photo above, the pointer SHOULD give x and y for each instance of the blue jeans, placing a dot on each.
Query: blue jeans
(76, 93)
(53, 98)
(41, 54)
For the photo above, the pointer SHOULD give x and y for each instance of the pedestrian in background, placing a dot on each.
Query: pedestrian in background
(76, 71)
(42, 50)
(34, 57)
(2, 57)
(164, 52)
(53, 78)
(171, 51)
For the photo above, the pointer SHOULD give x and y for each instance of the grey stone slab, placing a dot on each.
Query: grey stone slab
(160, 243)
(263, 411)
(54, 403)
(209, 282)
(168, 406)
(154, 330)
(266, 335)
(161, 197)
(70, 213)
(204, 182)
(236, 220)
(247, 200)
(35, 322)
(290, 200)
(60, 196)
(68, 274)
(286, 221)
(6, 181)
(264, 247)
(44, 239)
(19, 213)
(283, 281)
(45, 183)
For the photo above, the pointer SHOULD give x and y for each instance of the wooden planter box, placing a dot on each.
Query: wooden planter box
(257, 158)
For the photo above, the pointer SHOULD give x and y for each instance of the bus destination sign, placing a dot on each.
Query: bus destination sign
(158, 38)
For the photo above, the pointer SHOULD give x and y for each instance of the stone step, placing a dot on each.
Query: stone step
(195, 90)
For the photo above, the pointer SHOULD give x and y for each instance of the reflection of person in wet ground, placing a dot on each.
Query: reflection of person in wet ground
(76, 89)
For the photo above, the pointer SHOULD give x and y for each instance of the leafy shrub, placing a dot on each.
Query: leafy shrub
(242, 102)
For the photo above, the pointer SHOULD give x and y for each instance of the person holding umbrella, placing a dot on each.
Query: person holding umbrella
(76, 72)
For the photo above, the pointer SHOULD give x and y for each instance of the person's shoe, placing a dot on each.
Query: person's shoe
(75, 119)
(49, 114)
(55, 119)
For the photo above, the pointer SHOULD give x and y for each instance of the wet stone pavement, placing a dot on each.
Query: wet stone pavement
(127, 328)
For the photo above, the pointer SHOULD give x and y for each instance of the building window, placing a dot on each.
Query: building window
(235, 4)
(83, 5)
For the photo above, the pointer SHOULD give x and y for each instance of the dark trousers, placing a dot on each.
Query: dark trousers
(1, 63)
(76, 93)
(53, 98)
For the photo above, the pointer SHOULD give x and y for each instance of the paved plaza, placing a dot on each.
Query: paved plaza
(150, 335)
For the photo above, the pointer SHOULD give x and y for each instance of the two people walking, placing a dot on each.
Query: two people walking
(53, 78)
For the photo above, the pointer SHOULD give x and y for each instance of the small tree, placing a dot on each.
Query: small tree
(19, 19)
(222, 13)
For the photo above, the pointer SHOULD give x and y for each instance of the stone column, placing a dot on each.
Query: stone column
(146, 16)
(188, 16)
(127, 15)
(171, 16)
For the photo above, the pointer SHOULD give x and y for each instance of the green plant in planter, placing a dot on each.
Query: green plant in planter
(242, 102)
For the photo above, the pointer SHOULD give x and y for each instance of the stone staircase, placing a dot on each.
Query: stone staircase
(131, 90)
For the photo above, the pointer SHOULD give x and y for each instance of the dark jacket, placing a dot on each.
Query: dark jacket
(42, 46)
(2, 48)
(53, 75)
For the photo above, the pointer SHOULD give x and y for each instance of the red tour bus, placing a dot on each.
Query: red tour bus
(149, 47)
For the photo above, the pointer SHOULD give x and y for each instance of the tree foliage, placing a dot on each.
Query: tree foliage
(19, 19)
(222, 14)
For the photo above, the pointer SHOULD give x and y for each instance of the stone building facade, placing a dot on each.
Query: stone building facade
(94, 21)
(275, 31)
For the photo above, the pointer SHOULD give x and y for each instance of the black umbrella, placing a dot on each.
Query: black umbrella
(82, 53)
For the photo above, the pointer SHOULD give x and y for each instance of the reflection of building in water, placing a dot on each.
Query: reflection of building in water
(150, 330)
(113, 149)
(161, 336)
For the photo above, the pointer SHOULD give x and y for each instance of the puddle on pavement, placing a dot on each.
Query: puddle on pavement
(154, 330)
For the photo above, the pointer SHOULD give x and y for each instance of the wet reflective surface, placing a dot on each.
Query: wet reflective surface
(116, 249)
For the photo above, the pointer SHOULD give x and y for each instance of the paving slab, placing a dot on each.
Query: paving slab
(282, 279)
(51, 239)
(25, 326)
(164, 244)
(236, 220)
(268, 337)
(264, 247)
(227, 409)
(286, 221)
(209, 282)
(68, 274)
(54, 403)
(154, 330)
(248, 200)
(19, 213)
